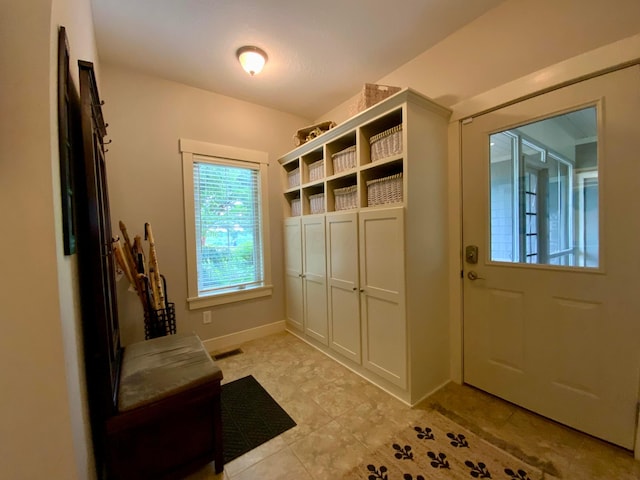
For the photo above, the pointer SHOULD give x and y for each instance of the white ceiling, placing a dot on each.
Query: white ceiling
(320, 52)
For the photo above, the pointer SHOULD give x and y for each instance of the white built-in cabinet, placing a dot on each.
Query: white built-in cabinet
(293, 273)
(305, 276)
(367, 285)
(343, 287)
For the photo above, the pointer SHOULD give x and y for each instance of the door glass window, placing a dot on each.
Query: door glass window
(544, 192)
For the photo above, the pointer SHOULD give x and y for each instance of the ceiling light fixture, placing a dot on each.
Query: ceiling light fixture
(252, 59)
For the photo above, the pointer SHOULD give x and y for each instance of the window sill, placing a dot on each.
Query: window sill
(229, 297)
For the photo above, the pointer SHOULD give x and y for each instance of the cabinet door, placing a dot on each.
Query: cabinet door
(293, 273)
(314, 278)
(342, 285)
(382, 297)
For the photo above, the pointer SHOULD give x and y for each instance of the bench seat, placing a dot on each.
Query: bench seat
(169, 418)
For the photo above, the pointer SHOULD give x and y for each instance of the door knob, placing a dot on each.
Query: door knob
(473, 276)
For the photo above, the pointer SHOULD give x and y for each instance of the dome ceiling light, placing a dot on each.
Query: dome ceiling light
(252, 59)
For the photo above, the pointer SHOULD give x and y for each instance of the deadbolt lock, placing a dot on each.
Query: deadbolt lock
(471, 254)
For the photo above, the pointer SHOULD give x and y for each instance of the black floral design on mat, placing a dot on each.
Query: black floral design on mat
(408, 476)
(478, 471)
(519, 475)
(403, 453)
(380, 474)
(459, 440)
(439, 460)
(424, 434)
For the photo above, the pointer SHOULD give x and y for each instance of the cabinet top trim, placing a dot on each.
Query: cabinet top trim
(406, 95)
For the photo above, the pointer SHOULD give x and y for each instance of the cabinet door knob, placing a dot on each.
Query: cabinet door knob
(355, 288)
(362, 290)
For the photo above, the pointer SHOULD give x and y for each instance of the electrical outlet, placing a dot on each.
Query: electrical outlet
(206, 317)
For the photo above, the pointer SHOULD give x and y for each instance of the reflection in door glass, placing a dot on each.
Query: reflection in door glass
(544, 192)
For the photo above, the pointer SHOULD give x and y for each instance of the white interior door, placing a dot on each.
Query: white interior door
(551, 190)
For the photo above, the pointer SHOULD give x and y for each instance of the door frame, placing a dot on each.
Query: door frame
(615, 56)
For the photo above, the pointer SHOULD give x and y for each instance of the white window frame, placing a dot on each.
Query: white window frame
(189, 149)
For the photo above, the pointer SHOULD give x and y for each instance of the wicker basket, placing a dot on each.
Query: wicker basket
(372, 94)
(295, 207)
(384, 190)
(317, 203)
(293, 178)
(344, 159)
(346, 198)
(386, 143)
(316, 170)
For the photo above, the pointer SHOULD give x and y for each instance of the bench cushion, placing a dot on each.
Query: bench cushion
(157, 368)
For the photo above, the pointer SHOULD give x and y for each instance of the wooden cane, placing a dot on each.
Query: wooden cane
(132, 276)
(154, 270)
(127, 250)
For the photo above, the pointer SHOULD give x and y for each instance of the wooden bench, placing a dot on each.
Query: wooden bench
(169, 419)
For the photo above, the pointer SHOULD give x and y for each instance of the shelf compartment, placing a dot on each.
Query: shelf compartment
(337, 183)
(293, 178)
(345, 198)
(294, 203)
(316, 203)
(344, 160)
(310, 164)
(377, 126)
(316, 171)
(312, 198)
(296, 207)
(385, 190)
(386, 144)
(338, 146)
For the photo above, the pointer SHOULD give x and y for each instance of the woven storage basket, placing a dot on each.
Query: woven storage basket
(316, 170)
(386, 143)
(293, 178)
(346, 197)
(317, 203)
(295, 207)
(384, 190)
(344, 159)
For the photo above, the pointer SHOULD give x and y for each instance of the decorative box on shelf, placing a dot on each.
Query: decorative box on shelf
(346, 198)
(316, 203)
(371, 94)
(344, 159)
(384, 190)
(386, 143)
(316, 170)
(305, 134)
(293, 178)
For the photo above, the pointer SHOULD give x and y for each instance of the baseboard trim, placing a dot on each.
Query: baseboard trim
(236, 338)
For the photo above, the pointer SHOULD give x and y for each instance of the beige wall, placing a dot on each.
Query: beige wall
(512, 40)
(43, 419)
(147, 116)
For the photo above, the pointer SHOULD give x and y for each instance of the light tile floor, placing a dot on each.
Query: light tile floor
(341, 418)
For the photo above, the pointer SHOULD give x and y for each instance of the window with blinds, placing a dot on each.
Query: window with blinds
(228, 226)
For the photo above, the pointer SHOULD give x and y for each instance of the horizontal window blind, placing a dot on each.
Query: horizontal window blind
(228, 226)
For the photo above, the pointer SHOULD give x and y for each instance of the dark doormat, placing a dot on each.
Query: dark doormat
(250, 417)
